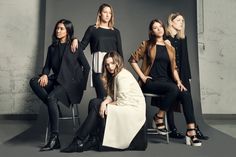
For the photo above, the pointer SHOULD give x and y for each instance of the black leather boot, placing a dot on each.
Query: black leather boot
(53, 143)
(75, 146)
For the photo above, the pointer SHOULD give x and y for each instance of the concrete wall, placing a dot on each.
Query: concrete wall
(217, 37)
(22, 42)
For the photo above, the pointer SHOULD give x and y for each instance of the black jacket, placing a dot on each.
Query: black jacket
(182, 59)
(71, 72)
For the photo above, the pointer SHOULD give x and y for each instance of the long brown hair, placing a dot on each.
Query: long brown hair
(107, 77)
(98, 20)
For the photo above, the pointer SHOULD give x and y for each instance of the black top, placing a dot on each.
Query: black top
(182, 60)
(176, 43)
(101, 39)
(61, 47)
(161, 65)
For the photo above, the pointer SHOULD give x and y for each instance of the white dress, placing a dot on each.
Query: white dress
(126, 118)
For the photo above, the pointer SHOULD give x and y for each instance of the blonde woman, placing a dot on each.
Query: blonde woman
(175, 33)
(103, 37)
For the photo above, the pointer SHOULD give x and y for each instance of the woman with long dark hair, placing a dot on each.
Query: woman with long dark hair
(157, 72)
(68, 81)
(120, 117)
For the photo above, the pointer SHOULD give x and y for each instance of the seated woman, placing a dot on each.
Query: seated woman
(123, 111)
(68, 81)
(157, 73)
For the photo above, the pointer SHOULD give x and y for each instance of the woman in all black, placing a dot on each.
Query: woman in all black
(68, 81)
(176, 35)
(103, 37)
(158, 63)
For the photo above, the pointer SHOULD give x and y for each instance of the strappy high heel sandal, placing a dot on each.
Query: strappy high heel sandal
(160, 127)
(192, 140)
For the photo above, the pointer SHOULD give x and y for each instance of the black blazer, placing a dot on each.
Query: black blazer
(71, 72)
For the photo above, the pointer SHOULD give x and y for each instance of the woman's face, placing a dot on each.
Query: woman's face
(61, 32)
(110, 65)
(157, 29)
(106, 14)
(177, 23)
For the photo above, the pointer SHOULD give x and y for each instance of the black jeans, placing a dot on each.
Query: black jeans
(98, 85)
(162, 87)
(47, 95)
(93, 123)
(170, 113)
(171, 93)
(187, 104)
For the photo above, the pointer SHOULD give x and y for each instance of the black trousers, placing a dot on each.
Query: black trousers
(98, 85)
(94, 125)
(48, 95)
(185, 99)
(162, 87)
(172, 93)
(170, 113)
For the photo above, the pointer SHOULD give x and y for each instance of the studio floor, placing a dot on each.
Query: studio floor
(222, 141)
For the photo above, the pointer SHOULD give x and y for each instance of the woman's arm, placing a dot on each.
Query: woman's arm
(43, 80)
(103, 107)
(86, 68)
(136, 57)
(178, 81)
(48, 64)
(137, 69)
(119, 44)
(85, 41)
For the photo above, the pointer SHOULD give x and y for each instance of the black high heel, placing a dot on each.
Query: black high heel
(53, 143)
(192, 140)
(160, 127)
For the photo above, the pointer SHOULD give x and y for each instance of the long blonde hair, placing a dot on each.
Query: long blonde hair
(107, 77)
(181, 33)
(98, 21)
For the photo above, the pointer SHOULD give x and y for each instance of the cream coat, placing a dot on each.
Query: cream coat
(128, 115)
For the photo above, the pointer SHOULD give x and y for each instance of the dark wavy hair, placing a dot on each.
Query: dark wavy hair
(152, 37)
(69, 28)
(107, 77)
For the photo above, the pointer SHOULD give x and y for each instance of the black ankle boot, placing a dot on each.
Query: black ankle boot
(53, 143)
(75, 146)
